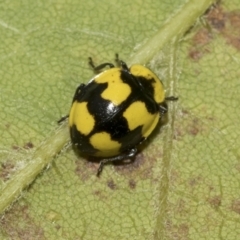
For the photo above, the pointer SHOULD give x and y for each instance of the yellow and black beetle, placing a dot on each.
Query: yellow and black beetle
(116, 111)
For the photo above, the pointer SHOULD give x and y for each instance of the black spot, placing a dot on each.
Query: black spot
(81, 142)
(111, 184)
(131, 139)
(142, 90)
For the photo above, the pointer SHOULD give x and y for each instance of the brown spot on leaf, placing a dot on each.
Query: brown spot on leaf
(84, 169)
(215, 201)
(194, 181)
(178, 132)
(199, 44)
(232, 31)
(100, 195)
(28, 145)
(236, 206)
(185, 112)
(89, 166)
(15, 147)
(132, 184)
(234, 18)
(58, 227)
(202, 37)
(181, 207)
(111, 184)
(227, 24)
(194, 127)
(195, 54)
(97, 193)
(178, 231)
(18, 224)
(183, 229)
(6, 170)
(216, 18)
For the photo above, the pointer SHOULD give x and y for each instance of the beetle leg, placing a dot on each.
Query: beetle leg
(163, 108)
(121, 63)
(129, 154)
(171, 98)
(62, 119)
(99, 67)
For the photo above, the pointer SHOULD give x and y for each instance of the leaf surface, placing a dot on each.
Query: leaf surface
(185, 182)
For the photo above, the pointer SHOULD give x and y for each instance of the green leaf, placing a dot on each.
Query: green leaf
(183, 185)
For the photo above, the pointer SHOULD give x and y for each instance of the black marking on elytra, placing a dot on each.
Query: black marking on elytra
(142, 90)
(131, 139)
(117, 127)
(89, 91)
(147, 85)
(79, 92)
(81, 142)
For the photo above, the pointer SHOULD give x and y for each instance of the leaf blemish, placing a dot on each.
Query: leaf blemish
(227, 24)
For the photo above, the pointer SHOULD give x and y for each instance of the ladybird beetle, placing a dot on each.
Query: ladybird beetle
(116, 111)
